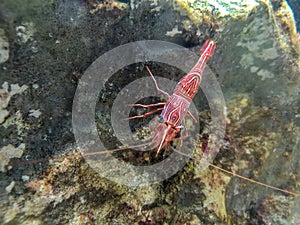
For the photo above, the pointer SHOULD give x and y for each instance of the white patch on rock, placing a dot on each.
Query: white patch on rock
(8, 152)
(5, 96)
(254, 69)
(35, 86)
(17, 120)
(265, 74)
(156, 6)
(173, 32)
(10, 187)
(252, 46)
(25, 178)
(4, 47)
(3, 114)
(35, 113)
(247, 60)
(25, 32)
(270, 53)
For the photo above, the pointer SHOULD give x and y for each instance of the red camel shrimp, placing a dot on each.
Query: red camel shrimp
(176, 107)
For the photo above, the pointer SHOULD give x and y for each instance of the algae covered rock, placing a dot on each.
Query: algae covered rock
(52, 43)
(265, 151)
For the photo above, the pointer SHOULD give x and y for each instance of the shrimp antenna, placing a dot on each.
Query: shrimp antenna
(242, 177)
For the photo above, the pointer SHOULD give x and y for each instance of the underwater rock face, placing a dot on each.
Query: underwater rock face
(52, 43)
(71, 13)
(260, 147)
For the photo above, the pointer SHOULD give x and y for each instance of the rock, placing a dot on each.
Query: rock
(4, 47)
(256, 63)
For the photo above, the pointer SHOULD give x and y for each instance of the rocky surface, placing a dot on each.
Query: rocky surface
(51, 43)
(4, 47)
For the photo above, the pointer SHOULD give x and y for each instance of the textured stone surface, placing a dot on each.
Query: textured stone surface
(52, 43)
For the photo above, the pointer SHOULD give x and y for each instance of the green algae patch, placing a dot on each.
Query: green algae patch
(200, 11)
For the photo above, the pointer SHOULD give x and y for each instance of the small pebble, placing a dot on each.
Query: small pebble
(10, 187)
(25, 178)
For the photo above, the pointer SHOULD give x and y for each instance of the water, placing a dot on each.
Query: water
(295, 8)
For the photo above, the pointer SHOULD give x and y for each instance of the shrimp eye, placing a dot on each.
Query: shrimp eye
(160, 119)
